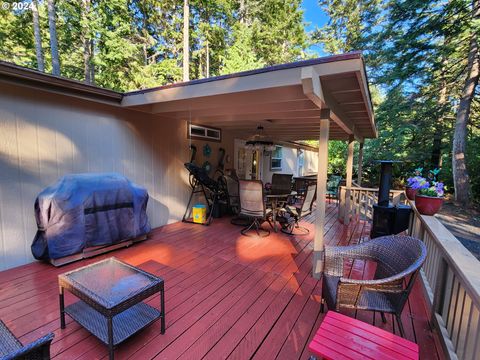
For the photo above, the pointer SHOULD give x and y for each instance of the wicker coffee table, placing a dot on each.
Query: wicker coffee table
(110, 305)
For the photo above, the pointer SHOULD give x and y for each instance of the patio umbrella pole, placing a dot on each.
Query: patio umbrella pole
(318, 242)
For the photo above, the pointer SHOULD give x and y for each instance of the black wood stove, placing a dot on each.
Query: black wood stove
(387, 218)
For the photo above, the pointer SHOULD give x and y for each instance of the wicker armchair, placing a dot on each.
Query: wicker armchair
(398, 259)
(12, 349)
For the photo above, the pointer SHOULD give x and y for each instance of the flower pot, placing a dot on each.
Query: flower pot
(410, 192)
(428, 205)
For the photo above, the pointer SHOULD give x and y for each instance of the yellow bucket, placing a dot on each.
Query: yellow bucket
(199, 213)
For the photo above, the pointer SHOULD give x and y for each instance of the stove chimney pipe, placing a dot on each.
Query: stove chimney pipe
(385, 182)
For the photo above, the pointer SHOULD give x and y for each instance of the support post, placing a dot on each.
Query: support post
(318, 242)
(346, 218)
(360, 164)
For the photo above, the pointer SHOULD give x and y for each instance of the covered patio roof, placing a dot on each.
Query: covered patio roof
(287, 100)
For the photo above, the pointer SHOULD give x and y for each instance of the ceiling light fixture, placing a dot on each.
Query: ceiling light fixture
(260, 141)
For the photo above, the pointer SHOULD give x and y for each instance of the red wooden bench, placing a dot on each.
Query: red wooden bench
(342, 337)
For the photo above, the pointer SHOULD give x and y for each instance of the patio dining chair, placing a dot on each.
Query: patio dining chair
(252, 207)
(398, 260)
(282, 183)
(12, 349)
(230, 185)
(300, 187)
(333, 185)
(293, 214)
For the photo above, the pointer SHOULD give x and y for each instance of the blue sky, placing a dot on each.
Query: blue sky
(314, 17)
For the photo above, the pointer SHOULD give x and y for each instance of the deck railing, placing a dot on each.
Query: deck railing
(451, 274)
(452, 282)
(357, 202)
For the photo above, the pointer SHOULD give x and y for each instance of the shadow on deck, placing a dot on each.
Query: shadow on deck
(227, 296)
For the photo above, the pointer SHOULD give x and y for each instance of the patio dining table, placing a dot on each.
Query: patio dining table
(278, 200)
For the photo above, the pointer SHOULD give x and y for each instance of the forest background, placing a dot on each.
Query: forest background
(422, 59)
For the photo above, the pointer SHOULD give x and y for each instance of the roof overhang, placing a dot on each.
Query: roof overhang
(287, 100)
(19, 75)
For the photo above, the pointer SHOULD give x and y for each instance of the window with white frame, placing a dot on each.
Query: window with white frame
(276, 159)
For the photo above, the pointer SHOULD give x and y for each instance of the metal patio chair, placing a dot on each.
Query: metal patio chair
(300, 187)
(399, 259)
(12, 349)
(333, 185)
(282, 183)
(293, 214)
(252, 206)
(230, 184)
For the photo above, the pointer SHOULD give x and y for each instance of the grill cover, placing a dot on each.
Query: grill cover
(85, 210)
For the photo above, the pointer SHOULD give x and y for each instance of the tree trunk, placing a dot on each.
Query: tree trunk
(186, 46)
(87, 44)
(207, 61)
(459, 166)
(92, 65)
(242, 11)
(38, 37)
(53, 37)
(436, 158)
(144, 34)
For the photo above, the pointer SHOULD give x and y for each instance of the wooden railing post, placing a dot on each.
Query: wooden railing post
(341, 205)
(318, 241)
(346, 218)
(360, 164)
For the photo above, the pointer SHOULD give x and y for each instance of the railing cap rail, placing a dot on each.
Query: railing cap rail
(356, 188)
(463, 263)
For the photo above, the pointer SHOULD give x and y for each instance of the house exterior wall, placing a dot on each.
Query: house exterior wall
(290, 163)
(310, 163)
(44, 136)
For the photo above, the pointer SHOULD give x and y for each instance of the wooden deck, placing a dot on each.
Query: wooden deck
(227, 296)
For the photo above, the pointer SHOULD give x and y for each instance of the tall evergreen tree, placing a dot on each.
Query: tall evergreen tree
(52, 14)
(38, 36)
(459, 165)
(349, 24)
(186, 45)
(240, 56)
(416, 53)
(87, 42)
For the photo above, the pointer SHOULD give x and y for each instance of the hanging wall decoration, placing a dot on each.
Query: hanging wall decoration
(207, 150)
(207, 166)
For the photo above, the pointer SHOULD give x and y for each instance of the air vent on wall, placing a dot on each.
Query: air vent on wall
(196, 131)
